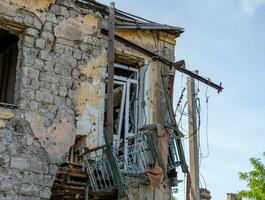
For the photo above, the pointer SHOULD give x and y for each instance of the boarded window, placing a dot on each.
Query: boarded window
(8, 63)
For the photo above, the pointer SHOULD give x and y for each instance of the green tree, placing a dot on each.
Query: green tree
(174, 191)
(255, 181)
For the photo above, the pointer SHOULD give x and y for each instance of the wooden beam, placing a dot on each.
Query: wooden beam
(110, 85)
(115, 168)
(193, 141)
(7, 105)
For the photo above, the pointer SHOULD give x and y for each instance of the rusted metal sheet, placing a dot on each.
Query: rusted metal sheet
(130, 20)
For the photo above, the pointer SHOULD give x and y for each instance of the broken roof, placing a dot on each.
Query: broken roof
(130, 21)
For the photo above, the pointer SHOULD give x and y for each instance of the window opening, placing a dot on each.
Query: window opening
(8, 63)
(125, 97)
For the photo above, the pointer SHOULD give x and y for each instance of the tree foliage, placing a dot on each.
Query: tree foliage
(255, 180)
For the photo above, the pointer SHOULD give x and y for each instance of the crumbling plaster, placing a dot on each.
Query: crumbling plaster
(52, 70)
(61, 89)
(30, 4)
(90, 101)
(76, 29)
(162, 44)
(55, 139)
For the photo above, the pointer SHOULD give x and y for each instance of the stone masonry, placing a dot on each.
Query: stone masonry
(60, 91)
(53, 50)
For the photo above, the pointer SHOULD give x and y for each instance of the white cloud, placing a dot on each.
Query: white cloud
(250, 6)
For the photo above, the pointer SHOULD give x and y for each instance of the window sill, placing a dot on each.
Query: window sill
(7, 105)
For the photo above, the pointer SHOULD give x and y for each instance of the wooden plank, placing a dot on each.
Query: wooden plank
(115, 169)
(110, 85)
(78, 175)
(7, 105)
(193, 140)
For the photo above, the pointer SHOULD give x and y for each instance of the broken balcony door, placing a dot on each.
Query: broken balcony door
(125, 108)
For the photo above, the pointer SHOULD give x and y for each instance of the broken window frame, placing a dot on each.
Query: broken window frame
(127, 82)
(116, 141)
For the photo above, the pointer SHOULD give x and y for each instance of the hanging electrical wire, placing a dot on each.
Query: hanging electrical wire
(205, 185)
(180, 100)
(206, 126)
(182, 112)
(198, 113)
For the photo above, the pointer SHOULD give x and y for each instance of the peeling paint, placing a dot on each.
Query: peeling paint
(90, 101)
(56, 139)
(31, 4)
(76, 29)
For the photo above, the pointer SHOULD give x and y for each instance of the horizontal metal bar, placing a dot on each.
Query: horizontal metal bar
(126, 67)
(144, 26)
(219, 88)
(164, 60)
(121, 78)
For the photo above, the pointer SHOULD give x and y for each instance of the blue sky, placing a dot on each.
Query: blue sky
(224, 40)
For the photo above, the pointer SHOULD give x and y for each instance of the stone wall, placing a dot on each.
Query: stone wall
(60, 92)
(25, 168)
(58, 46)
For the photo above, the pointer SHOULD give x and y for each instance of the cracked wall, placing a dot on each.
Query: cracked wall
(60, 90)
(151, 91)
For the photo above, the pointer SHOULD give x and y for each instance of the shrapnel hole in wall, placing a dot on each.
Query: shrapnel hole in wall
(8, 62)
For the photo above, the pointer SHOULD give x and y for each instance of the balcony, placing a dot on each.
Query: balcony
(113, 170)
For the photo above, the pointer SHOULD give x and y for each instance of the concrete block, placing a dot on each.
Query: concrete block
(32, 32)
(28, 41)
(40, 43)
(20, 163)
(38, 166)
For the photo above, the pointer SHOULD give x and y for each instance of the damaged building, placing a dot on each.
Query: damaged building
(54, 143)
